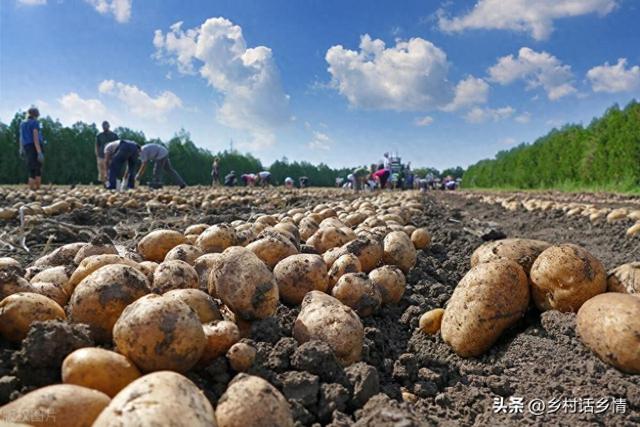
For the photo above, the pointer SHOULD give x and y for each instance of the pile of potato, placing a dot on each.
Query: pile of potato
(180, 299)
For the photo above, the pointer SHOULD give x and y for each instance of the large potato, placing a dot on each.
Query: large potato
(298, 274)
(57, 275)
(184, 252)
(99, 369)
(19, 311)
(91, 264)
(158, 332)
(368, 250)
(64, 255)
(159, 399)
(399, 250)
(347, 263)
(252, 401)
(357, 291)
(60, 405)
(490, 298)
(390, 281)
(307, 228)
(625, 278)
(271, 250)
(52, 290)
(148, 268)
(155, 245)
(244, 284)
(91, 249)
(609, 324)
(203, 266)
(328, 237)
(324, 318)
(216, 238)
(172, 275)
(522, 251)
(220, 337)
(12, 283)
(563, 277)
(202, 303)
(10, 264)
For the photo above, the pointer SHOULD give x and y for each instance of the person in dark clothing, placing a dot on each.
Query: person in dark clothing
(102, 139)
(230, 179)
(126, 153)
(303, 181)
(159, 155)
(31, 146)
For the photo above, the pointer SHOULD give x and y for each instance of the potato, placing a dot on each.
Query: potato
(241, 356)
(431, 321)
(93, 263)
(331, 222)
(347, 263)
(158, 332)
(99, 369)
(289, 228)
(60, 405)
(332, 255)
(148, 268)
(203, 267)
(158, 399)
(271, 250)
(421, 238)
(19, 311)
(184, 252)
(390, 282)
(205, 307)
(563, 277)
(609, 324)
(196, 229)
(101, 297)
(325, 318)
(490, 298)
(368, 250)
(244, 284)
(522, 251)
(246, 236)
(52, 290)
(298, 274)
(216, 238)
(307, 227)
(328, 237)
(91, 249)
(252, 401)
(399, 250)
(624, 278)
(64, 255)
(155, 245)
(11, 283)
(357, 291)
(174, 275)
(220, 335)
(10, 264)
(57, 275)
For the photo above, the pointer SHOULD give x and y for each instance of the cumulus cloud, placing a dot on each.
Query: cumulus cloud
(536, 69)
(614, 78)
(423, 121)
(508, 141)
(320, 141)
(32, 2)
(480, 115)
(534, 17)
(468, 92)
(73, 108)
(523, 118)
(120, 9)
(247, 77)
(139, 102)
(410, 76)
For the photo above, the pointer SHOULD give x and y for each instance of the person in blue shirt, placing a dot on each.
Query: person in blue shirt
(31, 145)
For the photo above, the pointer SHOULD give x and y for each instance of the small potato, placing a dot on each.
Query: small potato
(298, 274)
(155, 245)
(60, 405)
(205, 307)
(624, 278)
(332, 255)
(216, 238)
(195, 229)
(52, 290)
(252, 401)
(289, 228)
(522, 251)
(148, 268)
(159, 399)
(57, 275)
(101, 297)
(347, 263)
(399, 250)
(64, 255)
(246, 236)
(11, 283)
(91, 264)
(368, 250)
(241, 356)
(160, 333)
(184, 252)
(10, 264)
(271, 250)
(307, 227)
(203, 267)
(325, 318)
(19, 311)
(220, 337)
(390, 281)
(174, 275)
(421, 238)
(357, 291)
(99, 369)
(328, 237)
(431, 321)
(563, 277)
(490, 298)
(94, 249)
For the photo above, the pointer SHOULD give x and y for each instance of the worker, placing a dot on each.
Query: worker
(249, 179)
(382, 176)
(32, 147)
(102, 139)
(264, 178)
(288, 182)
(230, 179)
(303, 181)
(215, 172)
(159, 155)
(117, 154)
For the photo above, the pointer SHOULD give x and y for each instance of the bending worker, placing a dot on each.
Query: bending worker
(118, 153)
(159, 155)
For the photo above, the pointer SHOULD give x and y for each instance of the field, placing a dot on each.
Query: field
(406, 376)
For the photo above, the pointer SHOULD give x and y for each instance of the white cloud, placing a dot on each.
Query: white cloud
(523, 118)
(614, 78)
(537, 69)
(411, 76)
(423, 121)
(120, 9)
(535, 17)
(33, 2)
(139, 102)
(481, 115)
(508, 141)
(248, 79)
(468, 92)
(73, 108)
(320, 141)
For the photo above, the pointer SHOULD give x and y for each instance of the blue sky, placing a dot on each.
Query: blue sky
(340, 82)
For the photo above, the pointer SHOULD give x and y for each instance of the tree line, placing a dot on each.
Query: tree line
(604, 154)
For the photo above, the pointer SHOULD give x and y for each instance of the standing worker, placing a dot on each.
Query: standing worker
(215, 172)
(118, 153)
(31, 143)
(102, 139)
(159, 155)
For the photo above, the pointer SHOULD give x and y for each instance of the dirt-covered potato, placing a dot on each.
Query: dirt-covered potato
(148, 268)
(216, 238)
(184, 252)
(202, 303)
(332, 255)
(220, 336)
(241, 356)
(172, 275)
(609, 324)
(307, 227)
(10, 264)
(155, 245)
(421, 238)
(60, 405)
(99, 369)
(159, 399)
(390, 281)
(93, 263)
(522, 251)
(91, 249)
(289, 228)
(271, 249)
(298, 274)
(357, 291)
(64, 255)
(12, 283)
(54, 291)
(563, 277)
(158, 332)
(347, 263)
(195, 229)
(244, 284)
(99, 299)
(624, 278)
(56, 275)
(399, 250)
(490, 298)
(250, 400)
(431, 321)
(368, 250)
(203, 267)
(328, 237)
(324, 318)
(19, 311)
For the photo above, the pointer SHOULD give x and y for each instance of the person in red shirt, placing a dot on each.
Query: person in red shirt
(381, 176)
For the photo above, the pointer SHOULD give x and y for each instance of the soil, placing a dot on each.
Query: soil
(406, 377)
